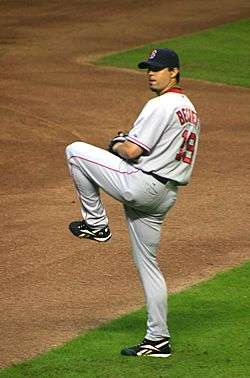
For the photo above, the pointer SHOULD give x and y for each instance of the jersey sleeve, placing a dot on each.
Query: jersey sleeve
(149, 125)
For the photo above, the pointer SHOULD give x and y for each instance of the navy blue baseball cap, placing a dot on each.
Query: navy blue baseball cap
(161, 58)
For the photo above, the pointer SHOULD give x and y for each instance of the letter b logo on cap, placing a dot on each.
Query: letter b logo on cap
(153, 54)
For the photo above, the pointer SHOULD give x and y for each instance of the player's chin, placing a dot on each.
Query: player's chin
(153, 87)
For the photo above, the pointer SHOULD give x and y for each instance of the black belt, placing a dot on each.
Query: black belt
(163, 180)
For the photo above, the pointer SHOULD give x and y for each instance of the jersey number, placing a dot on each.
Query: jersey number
(187, 148)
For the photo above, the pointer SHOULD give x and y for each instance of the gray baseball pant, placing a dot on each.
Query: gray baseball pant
(146, 201)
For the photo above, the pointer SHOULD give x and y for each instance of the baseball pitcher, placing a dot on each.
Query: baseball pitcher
(143, 169)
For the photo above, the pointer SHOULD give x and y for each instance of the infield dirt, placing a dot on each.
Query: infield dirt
(52, 285)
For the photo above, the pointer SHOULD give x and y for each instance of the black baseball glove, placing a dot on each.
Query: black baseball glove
(119, 138)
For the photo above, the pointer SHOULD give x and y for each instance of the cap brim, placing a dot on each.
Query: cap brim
(147, 64)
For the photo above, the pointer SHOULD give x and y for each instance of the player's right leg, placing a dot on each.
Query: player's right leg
(144, 231)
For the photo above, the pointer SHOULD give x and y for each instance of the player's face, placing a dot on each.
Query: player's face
(160, 80)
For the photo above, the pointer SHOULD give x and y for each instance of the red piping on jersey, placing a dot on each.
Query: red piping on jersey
(174, 89)
(101, 165)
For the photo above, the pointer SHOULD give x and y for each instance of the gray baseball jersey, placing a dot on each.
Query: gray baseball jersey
(168, 130)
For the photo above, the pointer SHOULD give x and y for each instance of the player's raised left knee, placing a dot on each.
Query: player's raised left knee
(74, 148)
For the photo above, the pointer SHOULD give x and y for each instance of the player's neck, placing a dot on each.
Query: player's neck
(172, 87)
(175, 89)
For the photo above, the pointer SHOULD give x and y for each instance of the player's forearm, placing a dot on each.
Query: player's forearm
(127, 150)
(122, 150)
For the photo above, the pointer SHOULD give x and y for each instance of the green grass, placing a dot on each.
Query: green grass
(221, 54)
(210, 329)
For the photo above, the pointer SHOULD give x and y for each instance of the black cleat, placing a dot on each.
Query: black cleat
(160, 348)
(81, 230)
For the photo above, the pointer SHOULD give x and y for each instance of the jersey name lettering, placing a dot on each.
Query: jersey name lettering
(186, 115)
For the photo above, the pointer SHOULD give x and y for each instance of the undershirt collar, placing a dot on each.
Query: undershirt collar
(174, 89)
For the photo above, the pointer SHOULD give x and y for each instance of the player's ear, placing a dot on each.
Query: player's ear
(174, 72)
